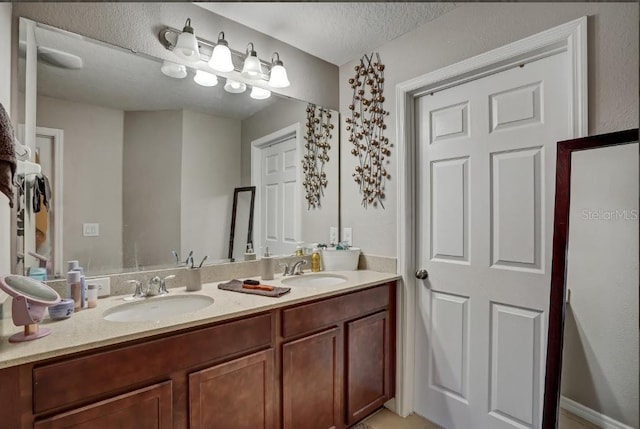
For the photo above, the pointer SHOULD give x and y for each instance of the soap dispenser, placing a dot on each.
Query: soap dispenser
(267, 265)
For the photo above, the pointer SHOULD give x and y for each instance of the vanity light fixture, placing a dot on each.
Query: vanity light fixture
(278, 76)
(221, 56)
(174, 70)
(258, 93)
(205, 78)
(252, 68)
(187, 45)
(235, 87)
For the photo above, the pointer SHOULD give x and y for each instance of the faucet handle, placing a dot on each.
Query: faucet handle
(163, 283)
(286, 268)
(139, 293)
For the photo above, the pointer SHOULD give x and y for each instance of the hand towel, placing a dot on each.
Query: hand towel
(7, 156)
(236, 286)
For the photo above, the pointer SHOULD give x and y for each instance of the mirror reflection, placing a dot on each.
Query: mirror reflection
(142, 166)
(599, 382)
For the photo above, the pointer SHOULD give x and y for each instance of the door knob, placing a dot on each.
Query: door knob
(422, 274)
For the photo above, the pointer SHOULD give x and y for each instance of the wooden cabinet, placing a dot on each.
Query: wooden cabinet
(147, 408)
(368, 365)
(323, 364)
(311, 381)
(233, 395)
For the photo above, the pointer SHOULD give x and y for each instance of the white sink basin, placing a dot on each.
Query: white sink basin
(156, 309)
(315, 280)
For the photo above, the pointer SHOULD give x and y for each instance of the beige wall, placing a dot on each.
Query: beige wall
(315, 222)
(5, 99)
(151, 187)
(210, 172)
(136, 25)
(472, 29)
(92, 172)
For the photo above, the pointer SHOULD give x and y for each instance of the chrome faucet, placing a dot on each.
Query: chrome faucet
(157, 286)
(295, 269)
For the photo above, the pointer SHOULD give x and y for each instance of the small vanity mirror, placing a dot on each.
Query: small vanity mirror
(593, 348)
(140, 160)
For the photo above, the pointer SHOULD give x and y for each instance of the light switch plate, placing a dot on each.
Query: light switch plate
(104, 285)
(347, 236)
(90, 229)
(333, 235)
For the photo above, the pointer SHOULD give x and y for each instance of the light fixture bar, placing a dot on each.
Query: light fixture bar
(169, 35)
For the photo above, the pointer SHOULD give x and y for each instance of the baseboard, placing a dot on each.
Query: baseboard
(590, 415)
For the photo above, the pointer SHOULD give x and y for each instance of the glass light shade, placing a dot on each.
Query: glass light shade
(205, 78)
(187, 47)
(278, 78)
(174, 70)
(259, 93)
(235, 87)
(252, 68)
(221, 59)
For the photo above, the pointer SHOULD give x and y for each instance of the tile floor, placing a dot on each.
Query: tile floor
(385, 419)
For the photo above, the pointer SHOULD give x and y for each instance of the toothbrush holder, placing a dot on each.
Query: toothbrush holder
(194, 279)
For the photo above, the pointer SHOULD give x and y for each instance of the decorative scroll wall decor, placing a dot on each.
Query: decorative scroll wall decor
(366, 129)
(318, 135)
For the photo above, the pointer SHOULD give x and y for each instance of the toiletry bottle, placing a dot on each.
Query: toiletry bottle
(73, 280)
(92, 296)
(267, 265)
(315, 261)
(83, 287)
(299, 251)
(249, 255)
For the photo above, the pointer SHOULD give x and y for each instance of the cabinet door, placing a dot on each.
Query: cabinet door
(148, 408)
(233, 395)
(311, 381)
(368, 365)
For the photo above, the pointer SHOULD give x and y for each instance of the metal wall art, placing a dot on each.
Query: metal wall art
(366, 129)
(317, 136)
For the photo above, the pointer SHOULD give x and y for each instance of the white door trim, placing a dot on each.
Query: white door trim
(57, 136)
(570, 37)
(256, 176)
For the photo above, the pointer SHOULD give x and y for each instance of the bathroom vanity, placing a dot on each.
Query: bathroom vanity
(325, 360)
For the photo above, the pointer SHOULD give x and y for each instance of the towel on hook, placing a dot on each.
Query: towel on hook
(7, 156)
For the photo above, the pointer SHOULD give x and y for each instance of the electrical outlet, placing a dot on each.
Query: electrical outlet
(347, 236)
(104, 285)
(90, 229)
(333, 235)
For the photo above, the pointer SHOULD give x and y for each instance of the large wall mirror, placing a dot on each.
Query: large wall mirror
(140, 164)
(592, 358)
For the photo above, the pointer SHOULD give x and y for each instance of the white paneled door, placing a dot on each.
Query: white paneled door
(486, 168)
(278, 197)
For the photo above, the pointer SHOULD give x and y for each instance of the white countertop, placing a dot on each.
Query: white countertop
(87, 329)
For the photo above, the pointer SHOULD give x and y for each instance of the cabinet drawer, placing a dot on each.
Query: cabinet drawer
(89, 377)
(148, 408)
(310, 317)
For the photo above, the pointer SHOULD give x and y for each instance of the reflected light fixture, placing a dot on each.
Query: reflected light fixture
(278, 77)
(235, 87)
(221, 56)
(187, 44)
(258, 93)
(252, 68)
(205, 78)
(174, 70)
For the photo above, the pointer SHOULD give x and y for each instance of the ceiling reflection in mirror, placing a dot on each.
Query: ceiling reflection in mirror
(139, 166)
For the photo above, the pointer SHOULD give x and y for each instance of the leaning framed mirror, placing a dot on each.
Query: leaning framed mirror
(592, 354)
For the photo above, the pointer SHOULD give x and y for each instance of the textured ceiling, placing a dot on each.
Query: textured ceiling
(335, 32)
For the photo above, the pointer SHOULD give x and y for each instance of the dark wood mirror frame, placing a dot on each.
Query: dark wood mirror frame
(236, 191)
(559, 260)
